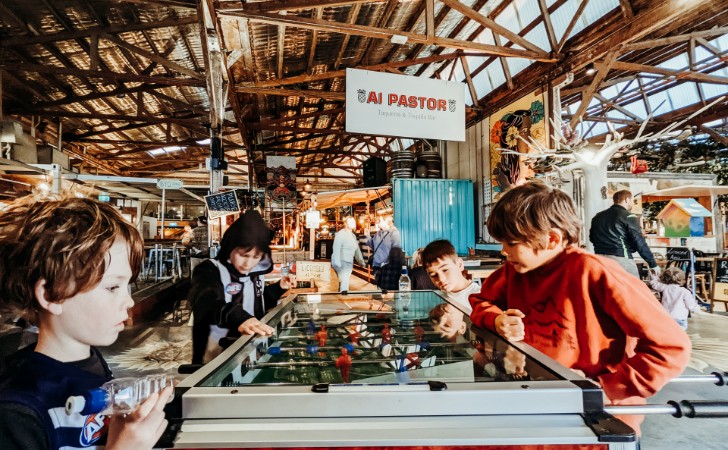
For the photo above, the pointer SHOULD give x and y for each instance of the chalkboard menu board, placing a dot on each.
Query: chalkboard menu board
(678, 253)
(222, 204)
(720, 280)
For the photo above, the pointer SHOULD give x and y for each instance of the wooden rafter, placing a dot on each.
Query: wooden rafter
(602, 71)
(572, 24)
(287, 5)
(383, 33)
(153, 57)
(291, 92)
(492, 25)
(38, 68)
(546, 16)
(652, 43)
(679, 74)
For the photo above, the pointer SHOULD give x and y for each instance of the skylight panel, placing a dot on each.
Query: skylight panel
(495, 71)
(562, 17)
(485, 37)
(165, 150)
(701, 53)
(660, 98)
(595, 10)
(679, 62)
(637, 108)
(482, 83)
(721, 42)
(508, 18)
(468, 98)
(711, 90)
(539, 37)
(683, 95)
(516, 65)
(527, 11)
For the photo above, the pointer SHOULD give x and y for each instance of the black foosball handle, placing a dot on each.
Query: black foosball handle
(700, 409)
(186, 369)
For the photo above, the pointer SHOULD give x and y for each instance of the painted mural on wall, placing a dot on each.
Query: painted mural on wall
(512, 128)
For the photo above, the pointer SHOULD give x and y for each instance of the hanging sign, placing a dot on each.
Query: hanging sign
(222, 204)
(405, 106)
(313, 219)
(169, 183)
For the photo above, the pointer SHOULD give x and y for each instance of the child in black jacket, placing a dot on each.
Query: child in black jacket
(228, 295)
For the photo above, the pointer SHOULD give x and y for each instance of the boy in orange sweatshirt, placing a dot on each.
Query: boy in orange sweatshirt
(580, 309)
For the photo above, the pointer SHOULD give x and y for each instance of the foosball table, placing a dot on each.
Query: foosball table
(374, 370)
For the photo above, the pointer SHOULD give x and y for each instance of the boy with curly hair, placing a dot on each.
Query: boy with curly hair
(68, 263)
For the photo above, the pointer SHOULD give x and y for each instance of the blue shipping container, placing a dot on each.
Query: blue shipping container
(429, 209)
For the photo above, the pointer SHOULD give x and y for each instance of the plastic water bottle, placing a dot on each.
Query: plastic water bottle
(118, 396)
(405, 285)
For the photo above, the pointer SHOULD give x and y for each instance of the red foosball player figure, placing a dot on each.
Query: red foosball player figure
(386, 334)
(419, 333)
(354, 337)
(321, 336)
(343, 363)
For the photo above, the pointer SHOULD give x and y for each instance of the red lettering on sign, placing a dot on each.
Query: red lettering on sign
(431, 103)
(391, 98)
(402, 100)
(373, 97)
(441, 105)
(412, 101)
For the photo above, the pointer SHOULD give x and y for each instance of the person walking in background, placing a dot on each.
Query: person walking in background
(616, 234)
(345, 251)
(199, 243)
(387, 278)
(675, 298)
(382, 242)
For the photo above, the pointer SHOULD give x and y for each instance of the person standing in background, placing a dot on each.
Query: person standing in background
(199, 245)
(382, 242)
(345, 251)
(616, 234)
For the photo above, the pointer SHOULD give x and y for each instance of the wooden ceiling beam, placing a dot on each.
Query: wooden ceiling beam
(334, 96)
(491, 25)
(652, 43)
(306, 78)
(679, 74)
(586, 96)
(546, 17)
(153, 57)
(87, 33)
(325, 112)
(384, 33)
(572, 24)
(38, 68)
(111, 117)
(288, 5)
(297, 130)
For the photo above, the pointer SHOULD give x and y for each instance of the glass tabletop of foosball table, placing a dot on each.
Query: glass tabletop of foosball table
(374, 338)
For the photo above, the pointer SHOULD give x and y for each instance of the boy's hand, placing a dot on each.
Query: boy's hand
(142, 428)
(255, 326)
(288, 281)
(510, 325)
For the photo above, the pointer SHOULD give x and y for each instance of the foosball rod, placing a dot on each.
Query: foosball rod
(262, 365)
(684, 408)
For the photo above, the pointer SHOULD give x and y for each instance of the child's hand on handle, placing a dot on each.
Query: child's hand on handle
(510, 325)
(142, 428)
